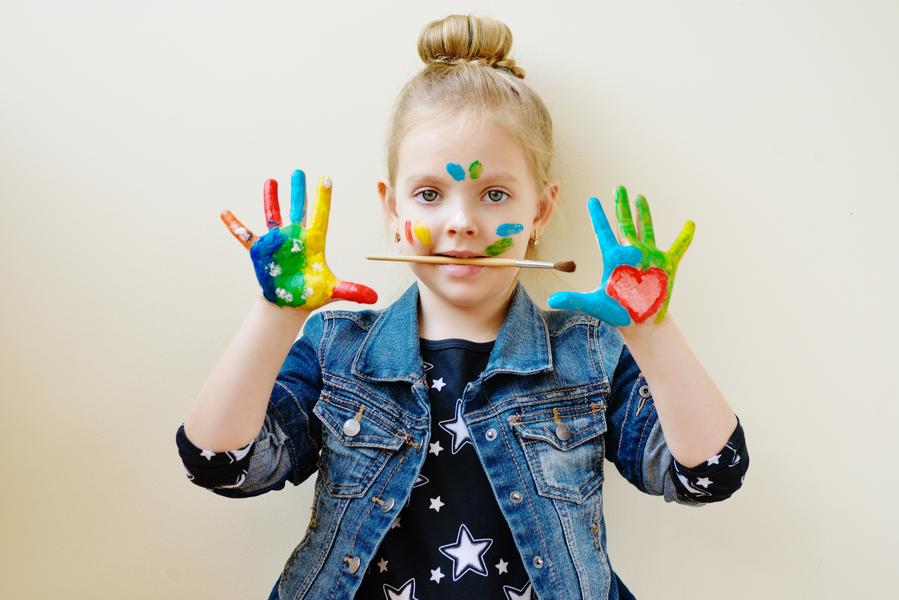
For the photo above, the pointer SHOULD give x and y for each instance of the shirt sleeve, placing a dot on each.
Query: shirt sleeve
(636, 444)
(210, 469)
(719, 476)
(288, 445)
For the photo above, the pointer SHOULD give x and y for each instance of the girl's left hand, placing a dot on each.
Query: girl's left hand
(637, 280)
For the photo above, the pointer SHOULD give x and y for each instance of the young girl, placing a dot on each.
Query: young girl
(460, 434)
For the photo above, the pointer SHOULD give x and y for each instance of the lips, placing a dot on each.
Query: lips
(460, 254)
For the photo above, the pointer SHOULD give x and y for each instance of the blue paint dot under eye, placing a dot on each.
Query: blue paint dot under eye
(507, 229)
(456, 171)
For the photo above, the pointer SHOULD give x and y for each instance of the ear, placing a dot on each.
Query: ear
(388, 199)
(546, 206)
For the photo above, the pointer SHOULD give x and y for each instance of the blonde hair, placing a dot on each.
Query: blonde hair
(469, 75)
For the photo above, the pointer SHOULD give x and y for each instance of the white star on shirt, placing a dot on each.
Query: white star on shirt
(407, 592)
(501, 566)
(704, 482)
(437, 575)
(518, 594)
(466, 553)
(436, 503)
(713, 460)
(396, 523)
(208, 454)
(435, 448)
(438, 384)
(457, 428)
(382, 565)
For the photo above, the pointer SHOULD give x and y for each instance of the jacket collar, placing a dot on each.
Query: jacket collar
(390, 351)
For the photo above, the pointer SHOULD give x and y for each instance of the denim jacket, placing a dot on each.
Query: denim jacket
(546, 366)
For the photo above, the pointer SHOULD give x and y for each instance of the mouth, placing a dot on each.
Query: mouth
(455, 254)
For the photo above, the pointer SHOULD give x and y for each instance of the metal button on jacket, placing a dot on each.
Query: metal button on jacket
(515, 496)
(388, 504)
(563, 432)
(490, 434)
(351, 427)
(538, 562)
(353, 562)
(644, 391)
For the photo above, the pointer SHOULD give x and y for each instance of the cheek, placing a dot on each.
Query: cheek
(508, 234)
(416, 232)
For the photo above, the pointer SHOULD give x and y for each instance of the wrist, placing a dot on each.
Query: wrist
(644, 333)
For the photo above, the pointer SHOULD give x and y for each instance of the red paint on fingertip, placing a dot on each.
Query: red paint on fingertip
(355, 292)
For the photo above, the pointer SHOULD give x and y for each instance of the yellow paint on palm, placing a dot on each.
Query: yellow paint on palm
(422, 233)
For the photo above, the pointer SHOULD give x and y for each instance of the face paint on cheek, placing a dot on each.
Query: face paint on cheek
(408, 229)
(422, 233)
(456, 171)
(475, 169)
(498, 247)
(507, 229)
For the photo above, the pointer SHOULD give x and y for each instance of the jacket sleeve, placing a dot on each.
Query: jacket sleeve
(637, 447)
(287, 446)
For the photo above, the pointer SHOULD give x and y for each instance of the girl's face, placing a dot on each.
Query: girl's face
(465, 192)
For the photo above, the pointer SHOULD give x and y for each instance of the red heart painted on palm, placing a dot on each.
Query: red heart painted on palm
(640, 292)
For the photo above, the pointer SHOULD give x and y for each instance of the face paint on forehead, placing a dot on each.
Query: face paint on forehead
(456, 171)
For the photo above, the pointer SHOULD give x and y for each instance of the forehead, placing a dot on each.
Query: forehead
(427, 148)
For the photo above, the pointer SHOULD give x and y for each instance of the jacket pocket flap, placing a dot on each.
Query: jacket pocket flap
(357, 423)
(563, 428)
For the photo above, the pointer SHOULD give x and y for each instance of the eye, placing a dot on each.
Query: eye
(496, 196)
(427, 196)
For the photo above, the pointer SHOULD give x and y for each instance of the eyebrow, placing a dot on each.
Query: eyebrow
(417, 178)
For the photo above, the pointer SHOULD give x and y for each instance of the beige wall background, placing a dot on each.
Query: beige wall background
(127, 127)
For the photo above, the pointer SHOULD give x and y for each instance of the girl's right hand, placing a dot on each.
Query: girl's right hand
(290, 261)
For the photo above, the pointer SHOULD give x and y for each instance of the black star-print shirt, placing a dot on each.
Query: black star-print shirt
(451, 539)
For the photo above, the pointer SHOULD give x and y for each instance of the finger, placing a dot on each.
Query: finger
(298, 197)
(237, 229)
(322, 209)
(356, 292)
(270, 202)
(601, 226)
(623, 211)
(644, 218)
(680, 245)
(568, 301)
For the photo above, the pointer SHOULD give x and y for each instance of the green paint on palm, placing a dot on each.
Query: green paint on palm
(646, 243)
(498, 247)
(475, 169)
(290, 261)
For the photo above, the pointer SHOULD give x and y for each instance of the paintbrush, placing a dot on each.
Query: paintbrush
(567, 266)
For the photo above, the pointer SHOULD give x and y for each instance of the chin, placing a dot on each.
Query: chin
(471, 291)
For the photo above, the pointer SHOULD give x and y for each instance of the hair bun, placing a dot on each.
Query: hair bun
(466, 38)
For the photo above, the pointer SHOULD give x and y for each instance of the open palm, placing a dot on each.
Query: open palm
(637, 279)
(290, 261)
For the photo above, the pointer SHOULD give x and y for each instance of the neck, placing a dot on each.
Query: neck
(439, 319)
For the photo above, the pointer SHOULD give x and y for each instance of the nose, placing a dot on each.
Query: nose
(461, 225)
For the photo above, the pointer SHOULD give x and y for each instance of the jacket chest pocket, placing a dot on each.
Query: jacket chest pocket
(564, 447)
(357, 441)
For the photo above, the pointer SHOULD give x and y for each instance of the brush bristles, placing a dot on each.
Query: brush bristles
(567, 266)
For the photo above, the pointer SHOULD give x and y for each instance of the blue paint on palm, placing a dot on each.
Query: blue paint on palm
(507, 229)
(297, 195)
(261, 253)
(456, 171)
(598, 303)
